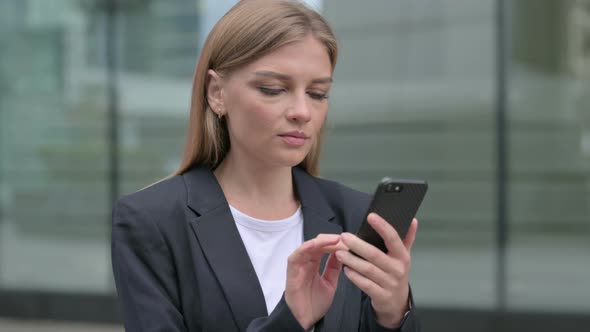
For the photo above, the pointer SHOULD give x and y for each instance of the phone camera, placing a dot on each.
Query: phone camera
(394, 187)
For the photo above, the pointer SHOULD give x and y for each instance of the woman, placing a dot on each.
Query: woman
(234, 241)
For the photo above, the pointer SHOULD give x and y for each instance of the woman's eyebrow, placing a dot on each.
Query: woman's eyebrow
(283, 77)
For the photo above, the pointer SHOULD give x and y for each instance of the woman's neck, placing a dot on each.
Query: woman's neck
(261, 192)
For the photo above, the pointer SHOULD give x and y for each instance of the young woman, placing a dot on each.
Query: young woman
(237, 239)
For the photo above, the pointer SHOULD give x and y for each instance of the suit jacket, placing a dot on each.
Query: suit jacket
(180, 264)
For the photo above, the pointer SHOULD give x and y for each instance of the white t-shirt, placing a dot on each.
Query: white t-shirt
(269, 244)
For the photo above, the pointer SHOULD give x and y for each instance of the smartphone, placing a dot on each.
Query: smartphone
(396, 201)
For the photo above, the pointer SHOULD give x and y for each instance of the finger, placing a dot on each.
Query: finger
(325, 239)
(297, 258)
(411, 235)
(314, 249)
(325, 244)
(364, 267)
(366, 250)
(332, 270)
(335, 247)
(304, 262)
(365, 284)
(393, 242)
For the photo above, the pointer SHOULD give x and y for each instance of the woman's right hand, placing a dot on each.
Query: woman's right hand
(308, 294)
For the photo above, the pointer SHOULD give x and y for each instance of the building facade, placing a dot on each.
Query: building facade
(488, 100)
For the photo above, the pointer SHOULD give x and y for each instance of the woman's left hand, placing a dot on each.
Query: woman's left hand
(382, 276)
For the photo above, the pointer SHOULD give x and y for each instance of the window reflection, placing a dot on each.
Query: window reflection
(413, 97)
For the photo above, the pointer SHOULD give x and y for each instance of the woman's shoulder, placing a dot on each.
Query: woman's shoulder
(156, 198)
(143, 218)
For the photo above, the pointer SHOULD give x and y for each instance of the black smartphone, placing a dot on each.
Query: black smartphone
(396, 201)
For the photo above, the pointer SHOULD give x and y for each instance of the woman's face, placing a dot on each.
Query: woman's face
(276, 105)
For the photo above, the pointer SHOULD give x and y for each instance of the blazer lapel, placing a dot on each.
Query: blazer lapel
(319, 218)
(222, 245)
(317, 214)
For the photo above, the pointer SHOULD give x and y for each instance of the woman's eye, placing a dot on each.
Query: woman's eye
(318, 95)
(270, 91)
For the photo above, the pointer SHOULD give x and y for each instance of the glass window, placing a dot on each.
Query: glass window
(54, 198)
(414, 97)
(409, 102)
(549, 121)
(159, 46)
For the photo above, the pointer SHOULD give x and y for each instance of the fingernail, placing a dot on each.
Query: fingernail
(345, 236)
(339, 255)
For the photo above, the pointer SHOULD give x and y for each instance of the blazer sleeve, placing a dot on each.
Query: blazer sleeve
(280, 319)
(144, 273)
(369, 320)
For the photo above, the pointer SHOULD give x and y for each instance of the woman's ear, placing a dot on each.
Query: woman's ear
(214, 91)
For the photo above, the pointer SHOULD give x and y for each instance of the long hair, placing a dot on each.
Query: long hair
(250, 30)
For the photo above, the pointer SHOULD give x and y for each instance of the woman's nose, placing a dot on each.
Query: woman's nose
(300, 109)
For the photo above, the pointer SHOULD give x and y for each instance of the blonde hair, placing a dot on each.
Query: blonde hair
(250, 30)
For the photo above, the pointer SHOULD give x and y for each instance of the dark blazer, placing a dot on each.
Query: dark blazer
(180, 264)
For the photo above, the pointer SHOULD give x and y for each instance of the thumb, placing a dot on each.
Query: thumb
(411, 235)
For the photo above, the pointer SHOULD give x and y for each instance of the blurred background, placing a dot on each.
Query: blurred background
(489, 100)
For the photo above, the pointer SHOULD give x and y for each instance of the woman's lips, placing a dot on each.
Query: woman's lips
(294, 138)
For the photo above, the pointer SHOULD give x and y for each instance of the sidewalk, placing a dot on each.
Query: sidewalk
(10, 325)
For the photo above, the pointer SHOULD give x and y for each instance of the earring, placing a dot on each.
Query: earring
(219, 113)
